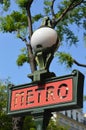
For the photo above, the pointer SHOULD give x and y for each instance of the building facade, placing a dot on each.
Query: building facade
(74, 119)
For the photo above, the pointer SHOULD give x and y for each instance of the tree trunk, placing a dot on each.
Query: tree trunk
(17, 123)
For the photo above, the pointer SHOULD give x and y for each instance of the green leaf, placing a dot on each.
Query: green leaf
(47, 3)
(5, 120)
(22, 3)
(55, 125)
(13, 22)
(84, 98)
(21, 59)
(65, 58)
(5, 4)
(70, 36)
(36, 17)
(29, 123)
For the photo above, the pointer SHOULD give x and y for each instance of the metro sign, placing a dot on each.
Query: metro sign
(59, 93)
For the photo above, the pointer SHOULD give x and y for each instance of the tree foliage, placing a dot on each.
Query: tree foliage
(5, 121)
(63, 14)
(13, 22)
(29, 123)
(65, 58)
(54, 125)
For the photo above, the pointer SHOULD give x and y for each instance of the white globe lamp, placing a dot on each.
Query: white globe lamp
(44, 37)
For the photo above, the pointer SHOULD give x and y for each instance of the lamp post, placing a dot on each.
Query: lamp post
(44, 42)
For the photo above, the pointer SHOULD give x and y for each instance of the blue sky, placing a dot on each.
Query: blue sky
(10, 48)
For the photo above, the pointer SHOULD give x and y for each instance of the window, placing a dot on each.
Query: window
(66, 113)
(77, 118)
(71, 114)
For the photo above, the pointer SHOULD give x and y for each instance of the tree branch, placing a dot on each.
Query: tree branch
(29, 48)
(79, 64)
(29, 18)
(31, 58)
(70, 7)
(52, 12)
(65, 12)
(30, 24)
(23, 39)
(75, 5)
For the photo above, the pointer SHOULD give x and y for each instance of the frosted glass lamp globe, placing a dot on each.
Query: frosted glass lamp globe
(44, 37)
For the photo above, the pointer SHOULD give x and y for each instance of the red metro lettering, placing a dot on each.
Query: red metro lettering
(50, 93)
(47, 94)
(63, 91)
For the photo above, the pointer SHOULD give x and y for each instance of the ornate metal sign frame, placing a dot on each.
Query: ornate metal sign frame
(55, 94)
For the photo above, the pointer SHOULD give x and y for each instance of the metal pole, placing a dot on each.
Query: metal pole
(41, 119)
